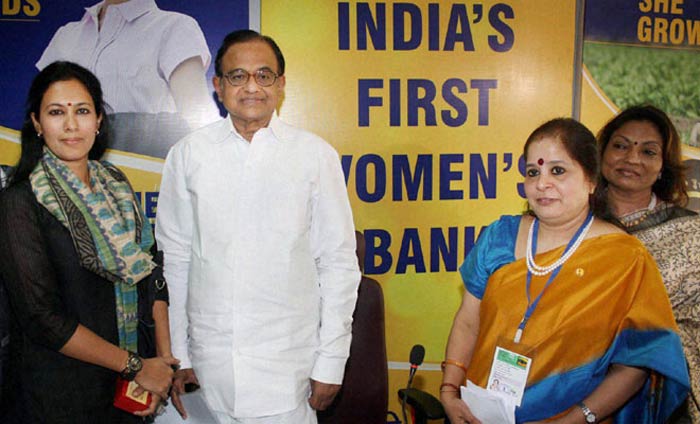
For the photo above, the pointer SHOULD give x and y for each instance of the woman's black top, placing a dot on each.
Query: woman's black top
(50, 294)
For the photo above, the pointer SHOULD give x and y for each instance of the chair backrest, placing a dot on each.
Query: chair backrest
(364, 395)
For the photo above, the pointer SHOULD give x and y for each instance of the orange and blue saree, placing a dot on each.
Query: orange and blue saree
(608, 305)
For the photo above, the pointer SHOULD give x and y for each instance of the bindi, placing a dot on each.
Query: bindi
(70, 104)
(540, 161)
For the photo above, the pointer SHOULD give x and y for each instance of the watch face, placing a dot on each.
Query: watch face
(135, 363)
(590, 418)
(133, 366)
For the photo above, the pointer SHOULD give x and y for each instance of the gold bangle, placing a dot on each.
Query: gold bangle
(454, 390)
(454, 386)
(453, 362)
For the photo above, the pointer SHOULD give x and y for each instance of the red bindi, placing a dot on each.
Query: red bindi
(540, 161)
(70, 104)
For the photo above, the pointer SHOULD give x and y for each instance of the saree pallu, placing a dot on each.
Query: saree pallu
(607, 306)
(675, 244)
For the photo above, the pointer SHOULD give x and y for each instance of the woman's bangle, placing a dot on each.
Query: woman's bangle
(453, 362)
(451, 388)
(454, 386)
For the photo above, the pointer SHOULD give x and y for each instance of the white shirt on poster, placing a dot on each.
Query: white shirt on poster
(133, 54)
(260, 261)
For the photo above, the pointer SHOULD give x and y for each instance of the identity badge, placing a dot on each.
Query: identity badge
(508, 376)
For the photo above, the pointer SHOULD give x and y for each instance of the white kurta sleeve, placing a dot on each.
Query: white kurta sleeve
(174, 229)
(333, 247)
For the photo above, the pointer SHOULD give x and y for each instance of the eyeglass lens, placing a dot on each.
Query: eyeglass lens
(263, 77)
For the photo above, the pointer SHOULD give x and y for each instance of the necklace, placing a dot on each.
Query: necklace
(534, 269)
(571, 248)
(635, 218)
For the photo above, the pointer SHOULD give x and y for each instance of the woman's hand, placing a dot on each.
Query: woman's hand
(156, 376)
(457, 411)
(460, 346)
(575, 418)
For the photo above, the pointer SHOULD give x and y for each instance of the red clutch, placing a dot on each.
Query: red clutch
(124, 399)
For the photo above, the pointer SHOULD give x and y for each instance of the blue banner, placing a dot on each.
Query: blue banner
(27, 27)
(672, 23)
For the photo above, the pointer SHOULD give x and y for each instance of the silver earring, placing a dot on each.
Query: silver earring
(39, 134)
(97, 132)
(659, 177)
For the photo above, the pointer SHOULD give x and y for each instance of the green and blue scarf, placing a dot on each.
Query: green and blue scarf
(107, 226)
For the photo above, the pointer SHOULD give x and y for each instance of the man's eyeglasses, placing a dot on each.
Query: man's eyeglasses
(239, 77)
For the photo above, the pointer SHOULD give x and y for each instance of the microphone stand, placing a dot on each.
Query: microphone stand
(416, 358)
(411, 373)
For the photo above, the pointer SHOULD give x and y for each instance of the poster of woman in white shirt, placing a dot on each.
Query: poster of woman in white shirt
(152, 58)
(152, 65)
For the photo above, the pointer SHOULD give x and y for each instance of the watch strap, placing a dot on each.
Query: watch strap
(587, 413)
(133, 366)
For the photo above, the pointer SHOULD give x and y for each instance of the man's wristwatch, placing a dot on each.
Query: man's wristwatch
(133, 366)
(590, 416)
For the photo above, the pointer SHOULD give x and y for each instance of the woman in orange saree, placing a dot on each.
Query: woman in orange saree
(575, 294)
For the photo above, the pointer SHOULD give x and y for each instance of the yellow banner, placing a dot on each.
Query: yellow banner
(429, 105)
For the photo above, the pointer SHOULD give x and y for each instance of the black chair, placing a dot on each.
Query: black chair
(363, 399)
(425, 406)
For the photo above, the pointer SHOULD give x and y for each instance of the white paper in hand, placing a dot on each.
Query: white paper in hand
(486, 406)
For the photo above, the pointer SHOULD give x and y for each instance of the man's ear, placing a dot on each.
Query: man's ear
(282, 81)
(216, 82)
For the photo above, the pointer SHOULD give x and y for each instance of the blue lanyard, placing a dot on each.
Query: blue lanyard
(531, 306)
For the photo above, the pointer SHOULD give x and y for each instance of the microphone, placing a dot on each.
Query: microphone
(416, 359)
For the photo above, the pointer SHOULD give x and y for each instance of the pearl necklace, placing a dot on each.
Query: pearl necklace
(539, 270)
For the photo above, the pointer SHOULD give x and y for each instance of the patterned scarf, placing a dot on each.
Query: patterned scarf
(107, 228)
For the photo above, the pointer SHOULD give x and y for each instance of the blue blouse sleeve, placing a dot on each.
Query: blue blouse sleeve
(494, 248)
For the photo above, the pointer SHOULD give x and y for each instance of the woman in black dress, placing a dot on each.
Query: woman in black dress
(75, 258)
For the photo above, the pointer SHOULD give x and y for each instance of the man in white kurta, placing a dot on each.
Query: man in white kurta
(256, 226)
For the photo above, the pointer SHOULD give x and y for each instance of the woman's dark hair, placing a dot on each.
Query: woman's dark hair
(579, 143)
(671, 186)
(32, 144)
(243, 36)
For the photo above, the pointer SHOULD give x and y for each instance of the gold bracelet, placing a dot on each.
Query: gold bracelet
(452, 386)
(453, 362)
